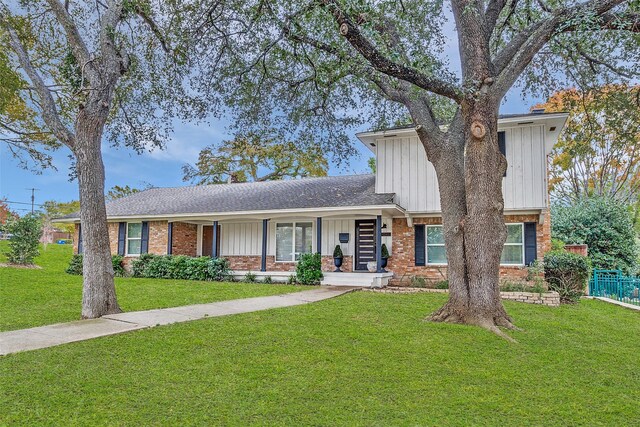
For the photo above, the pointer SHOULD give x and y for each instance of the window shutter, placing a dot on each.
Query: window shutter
(530, 244)
(502, 143)
(170, 239)
(79, 239)
(420, 244)
(122, 237)
(144, 238)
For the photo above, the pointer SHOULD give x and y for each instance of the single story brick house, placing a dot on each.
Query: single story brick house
(263, 227)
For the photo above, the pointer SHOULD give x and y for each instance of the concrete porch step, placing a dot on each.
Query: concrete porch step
(364, 279)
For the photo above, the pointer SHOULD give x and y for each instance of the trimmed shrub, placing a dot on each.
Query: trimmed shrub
(384, 252)
(337, 252)
(118, 266)
(418, 282)
(139, 265)
(75, 265)
(250, 277)
(309, 269)
(23, 244)
(442, 284)
(218, 269)
(197, 268)
(567, 273)
(158, 267)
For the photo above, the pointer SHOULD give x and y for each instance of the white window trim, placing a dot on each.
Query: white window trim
(427, 244)
(521, 224)
(293, 241)
(127, 238)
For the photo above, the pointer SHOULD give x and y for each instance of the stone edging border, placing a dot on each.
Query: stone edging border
(550, 299)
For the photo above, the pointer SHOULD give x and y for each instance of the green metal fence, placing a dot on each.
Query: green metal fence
(612, 284)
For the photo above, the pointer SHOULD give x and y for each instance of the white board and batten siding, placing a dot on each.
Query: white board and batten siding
(403, 169)
(244, 238)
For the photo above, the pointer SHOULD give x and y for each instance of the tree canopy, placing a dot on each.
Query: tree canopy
(598, 152)
(255, 158)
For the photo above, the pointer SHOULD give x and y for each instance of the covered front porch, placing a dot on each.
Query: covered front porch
(268, 244)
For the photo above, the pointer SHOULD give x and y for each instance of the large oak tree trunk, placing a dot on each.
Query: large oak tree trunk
(98, 292)
(473, 218)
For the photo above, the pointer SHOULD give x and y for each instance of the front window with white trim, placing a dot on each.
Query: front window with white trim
(134, 238)
(513, 251)
(293, 239)
(436, 253)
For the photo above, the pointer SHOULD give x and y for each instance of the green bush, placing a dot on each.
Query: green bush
(337, 252)
(292, 280)
(418, 282)
(267, 279)
(557, 245)
(442, 284)
(384, 252)
(158, 267)
(75, 265)
(249, 277)
(309, 269)
(177, 266)
(567, 273)
(602, 224)
(218, 269)
(23, 244)
(118, 266)
(139, 265)
(197, 268)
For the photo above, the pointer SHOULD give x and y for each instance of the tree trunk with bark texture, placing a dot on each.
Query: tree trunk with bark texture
(98, 291)
(473, 217)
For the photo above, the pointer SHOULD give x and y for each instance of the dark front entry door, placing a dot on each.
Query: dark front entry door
(365, 243)
(207, 240)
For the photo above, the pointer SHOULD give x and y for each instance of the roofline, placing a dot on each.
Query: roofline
(269, 212)
(367, 137)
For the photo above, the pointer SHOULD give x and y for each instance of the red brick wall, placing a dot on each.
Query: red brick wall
(184, 239)
(578, 249)
(253, 262)
(158, 237)
(402, 262)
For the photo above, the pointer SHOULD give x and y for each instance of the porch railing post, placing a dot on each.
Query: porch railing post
(169, 238)
(379, 244)
(319, 235)
(214, 244)
(263, 260)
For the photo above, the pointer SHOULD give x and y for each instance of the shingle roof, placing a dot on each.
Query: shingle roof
(333, 191)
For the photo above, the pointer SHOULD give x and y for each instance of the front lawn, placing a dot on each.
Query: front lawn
(361, 359)
(35, 297)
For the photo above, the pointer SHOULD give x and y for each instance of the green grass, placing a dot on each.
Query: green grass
(39, 297)
(360, 359)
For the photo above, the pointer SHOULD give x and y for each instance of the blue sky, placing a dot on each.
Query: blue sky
(164, 168)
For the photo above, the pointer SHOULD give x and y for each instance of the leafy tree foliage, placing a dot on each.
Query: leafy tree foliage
(23, 244)
(254, 158)
(604, 225)
(599, 150)
(5, 212)
(117, 191)
(53, 209)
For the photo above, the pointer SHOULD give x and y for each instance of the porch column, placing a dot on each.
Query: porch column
(169, 238)
(379, 244)
(214, 244)
(319, 235)
(263, 260)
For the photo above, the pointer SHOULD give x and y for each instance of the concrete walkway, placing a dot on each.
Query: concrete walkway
(62, 333)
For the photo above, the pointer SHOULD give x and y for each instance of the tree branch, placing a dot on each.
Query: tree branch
(380, 62)
(50, 113)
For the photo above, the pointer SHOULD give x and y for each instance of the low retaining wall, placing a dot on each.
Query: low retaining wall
(550, 299)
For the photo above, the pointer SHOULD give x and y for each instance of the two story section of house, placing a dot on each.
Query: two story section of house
(264, 227)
